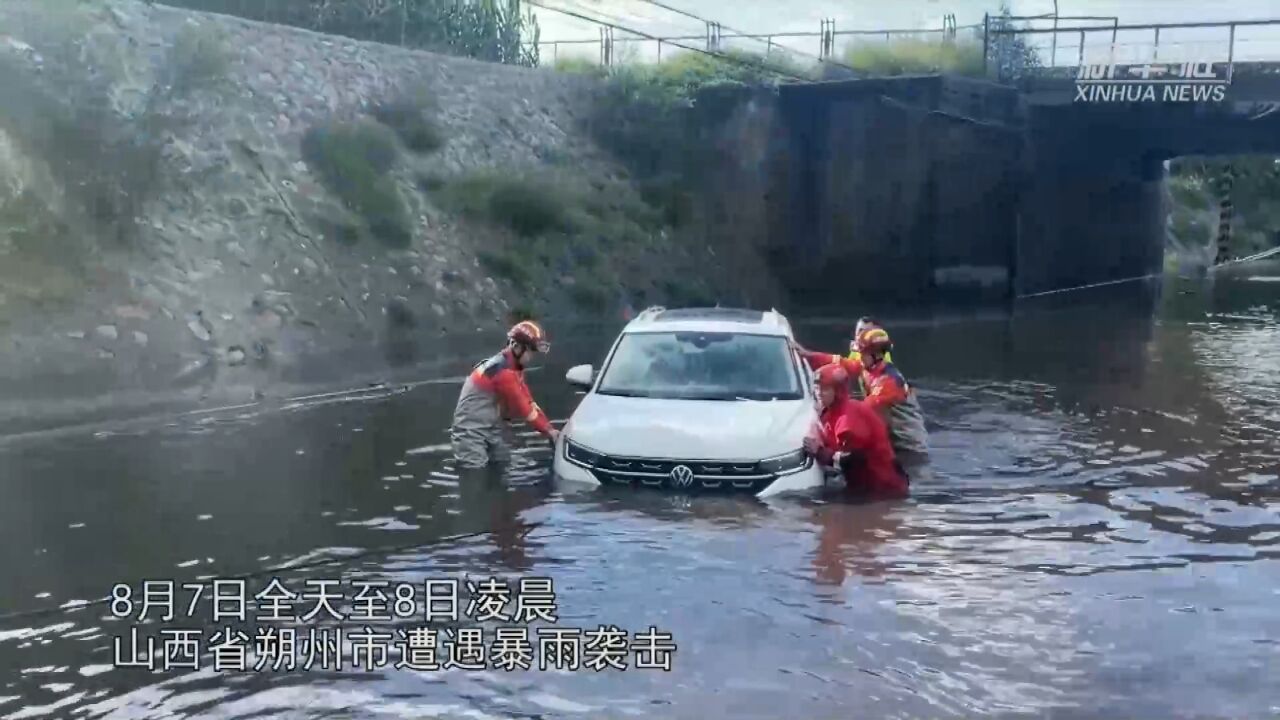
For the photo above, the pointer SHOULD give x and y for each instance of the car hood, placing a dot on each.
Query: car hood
(693, 429)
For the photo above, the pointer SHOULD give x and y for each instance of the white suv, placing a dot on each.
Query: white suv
(695, 399)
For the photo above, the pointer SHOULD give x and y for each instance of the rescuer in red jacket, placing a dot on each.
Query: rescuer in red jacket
(853, 438)
(494, 394)
(884, 389)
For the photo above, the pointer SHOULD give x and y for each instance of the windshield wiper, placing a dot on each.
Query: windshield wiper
(768, 397)
(624, 393)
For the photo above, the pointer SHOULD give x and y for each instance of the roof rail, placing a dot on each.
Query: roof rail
(777, 317)
(650, 312)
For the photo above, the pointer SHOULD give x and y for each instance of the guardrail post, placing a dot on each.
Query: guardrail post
(606, 45)
(1115, 28)
(1081, 47)
(1053, 48)
(1155, 49)
(1231, 52)
(986, 43)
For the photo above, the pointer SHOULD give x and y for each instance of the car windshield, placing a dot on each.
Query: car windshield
(702, 366)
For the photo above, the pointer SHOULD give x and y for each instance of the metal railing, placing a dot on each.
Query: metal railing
(715, 41)
(1152, 44)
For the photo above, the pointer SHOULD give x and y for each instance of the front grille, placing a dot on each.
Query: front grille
(719, 469)
(707, 475)
(751, 485)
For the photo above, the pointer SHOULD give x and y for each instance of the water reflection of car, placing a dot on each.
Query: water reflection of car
(697, 399)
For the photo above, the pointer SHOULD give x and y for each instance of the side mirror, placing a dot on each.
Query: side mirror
(581, 375)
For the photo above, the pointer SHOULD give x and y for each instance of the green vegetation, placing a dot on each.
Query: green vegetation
(528, 206)
(653, 118)
(520, 313)
(588, 293)
(549, 224)
(647, 118)
(916, 57)
(354, 159)
(493, 30)
(110, 166)
(506, 265)
(429, 182)
(1009, 56)
(1194, 186)
(684, 296)
(198, 59)
(45, 260)
(580, 66)
(412, 118)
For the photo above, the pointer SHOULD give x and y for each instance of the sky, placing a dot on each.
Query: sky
(768, 16)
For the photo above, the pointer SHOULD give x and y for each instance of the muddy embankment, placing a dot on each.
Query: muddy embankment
(201, 209)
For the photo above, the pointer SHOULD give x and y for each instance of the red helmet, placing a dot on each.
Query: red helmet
(529, 334)
(833, 376)
(874, 340)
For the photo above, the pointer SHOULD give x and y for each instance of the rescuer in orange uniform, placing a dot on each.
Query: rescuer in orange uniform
(864, 324)
(883, 388)
(494, 394)
(854, 439)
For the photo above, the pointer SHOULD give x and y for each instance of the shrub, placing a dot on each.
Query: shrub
(430, 182)
(353, 160)
(580, 66)
(669, 197)
(528, 205)
(338, 227)
(914, 56)
(412, 120)
(505, 265)
(400, 315)
(527, 208)
(678, 295)
(646, 116)
(520, 313)
(45, 261)
(198, 58)
(588, 295)
(1190, 193)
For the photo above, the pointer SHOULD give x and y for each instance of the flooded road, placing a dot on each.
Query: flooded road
(1099, 536)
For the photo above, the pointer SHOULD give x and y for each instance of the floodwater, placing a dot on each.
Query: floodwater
(1099, 536)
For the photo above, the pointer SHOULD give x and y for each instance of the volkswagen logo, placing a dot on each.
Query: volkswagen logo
(681, 476)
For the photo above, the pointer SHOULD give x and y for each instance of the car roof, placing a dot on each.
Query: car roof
(710, 319)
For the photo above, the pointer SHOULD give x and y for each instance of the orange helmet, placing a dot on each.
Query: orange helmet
(874, 340)
(529, 334)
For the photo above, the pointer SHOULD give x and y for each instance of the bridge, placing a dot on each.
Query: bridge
(1029, 180)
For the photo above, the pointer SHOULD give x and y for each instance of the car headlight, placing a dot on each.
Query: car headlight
(580, 454)
(794, 461)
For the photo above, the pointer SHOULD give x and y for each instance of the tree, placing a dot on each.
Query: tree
(1007, 52)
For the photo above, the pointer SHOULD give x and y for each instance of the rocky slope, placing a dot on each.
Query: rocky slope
(164, 230)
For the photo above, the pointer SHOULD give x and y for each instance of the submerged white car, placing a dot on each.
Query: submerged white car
(697, 399)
